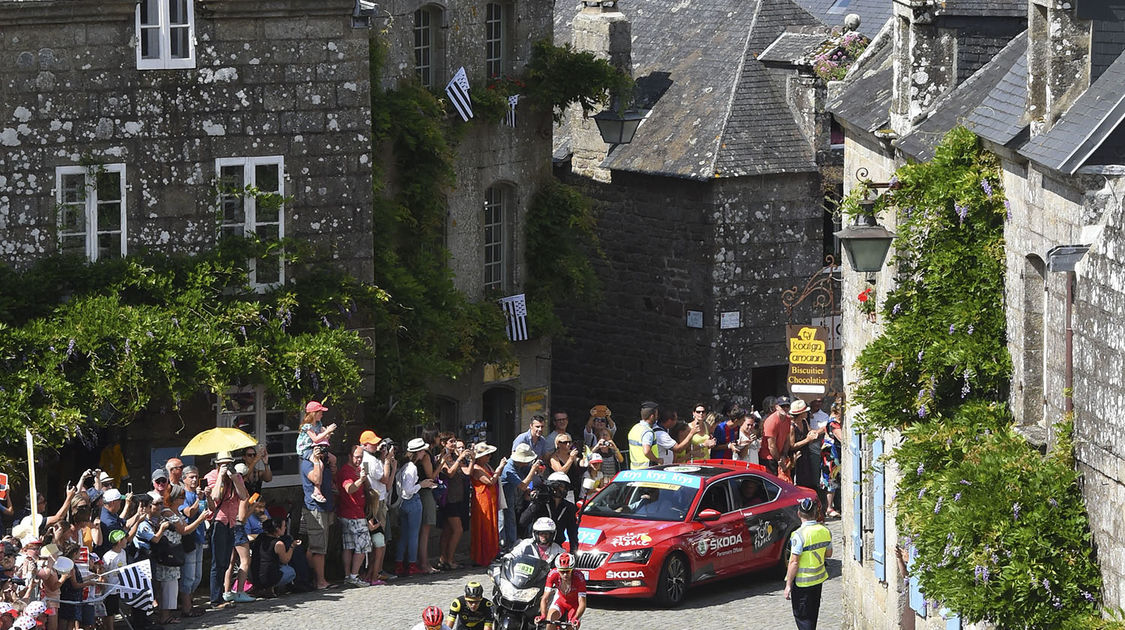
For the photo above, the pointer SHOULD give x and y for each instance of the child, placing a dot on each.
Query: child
(312, 433)
(114, 560)
(75, 616)
(239, 568)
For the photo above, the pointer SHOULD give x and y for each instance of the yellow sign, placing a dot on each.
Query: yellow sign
(534, 403)
(495, 372)
(808, 361)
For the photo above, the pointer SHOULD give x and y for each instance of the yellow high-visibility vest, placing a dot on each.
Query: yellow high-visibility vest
(815, 540)
(637, 457)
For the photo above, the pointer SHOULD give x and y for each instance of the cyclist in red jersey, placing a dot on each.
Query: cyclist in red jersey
(564, 597)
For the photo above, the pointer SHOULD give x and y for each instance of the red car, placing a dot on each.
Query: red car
(655, 532)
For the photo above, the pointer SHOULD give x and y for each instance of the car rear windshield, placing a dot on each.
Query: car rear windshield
(650, 499)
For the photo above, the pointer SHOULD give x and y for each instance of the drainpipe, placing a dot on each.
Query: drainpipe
(1063, 258)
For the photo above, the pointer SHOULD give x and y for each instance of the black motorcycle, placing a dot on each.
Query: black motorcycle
(517, 588)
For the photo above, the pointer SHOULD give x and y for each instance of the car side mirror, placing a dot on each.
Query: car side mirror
(708, 515)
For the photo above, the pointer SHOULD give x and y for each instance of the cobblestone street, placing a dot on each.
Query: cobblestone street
(735, 603)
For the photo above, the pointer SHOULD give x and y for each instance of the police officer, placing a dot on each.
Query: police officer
(642, 449)
(470, 611)
(810, 546)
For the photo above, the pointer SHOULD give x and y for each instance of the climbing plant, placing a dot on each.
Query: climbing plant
(1000, 530)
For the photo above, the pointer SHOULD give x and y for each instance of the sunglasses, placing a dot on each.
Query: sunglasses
(472, 600)
(250, 454)
(176, 468)
(699, 411)
(160, 481)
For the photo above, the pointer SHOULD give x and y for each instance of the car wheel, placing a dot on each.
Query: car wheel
(674, 579)
(782, 566)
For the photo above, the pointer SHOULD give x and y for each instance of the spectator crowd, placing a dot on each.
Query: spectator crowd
(375, 503)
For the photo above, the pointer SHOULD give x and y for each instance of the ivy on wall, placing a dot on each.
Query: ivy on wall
(99, 343)
(1000, 530)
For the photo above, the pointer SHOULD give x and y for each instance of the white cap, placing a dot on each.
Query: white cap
(112, 494)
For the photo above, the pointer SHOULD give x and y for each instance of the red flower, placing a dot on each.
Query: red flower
(862, 297)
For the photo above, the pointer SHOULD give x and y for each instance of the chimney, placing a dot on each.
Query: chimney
(602, 29)
(1058, 61)
(925, 63)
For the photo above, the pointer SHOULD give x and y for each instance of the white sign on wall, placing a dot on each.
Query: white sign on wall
(835, 326)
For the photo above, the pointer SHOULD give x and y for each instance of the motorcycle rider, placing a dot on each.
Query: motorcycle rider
(431, 619)
(471, 611)
(541, 544)
(565, 592)
(551, 502)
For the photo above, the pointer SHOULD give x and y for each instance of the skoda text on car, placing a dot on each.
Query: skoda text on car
(654, 532)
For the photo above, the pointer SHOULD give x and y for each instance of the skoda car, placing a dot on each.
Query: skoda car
(655, 532)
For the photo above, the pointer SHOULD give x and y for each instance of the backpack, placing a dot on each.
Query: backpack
(395, 497)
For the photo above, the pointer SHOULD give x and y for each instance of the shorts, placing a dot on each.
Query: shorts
(378, 540)
(355, 534)
(565, 611)
(168, 593)
(429, 506)
(240, 537)
(82, 613)
(316, 530)
(112, 605)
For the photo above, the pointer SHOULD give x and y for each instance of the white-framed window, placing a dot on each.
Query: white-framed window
(165, 34)
(425, 21)
(91, 210)
(497, 200)
(255, 412)
(495, 38)
(251, 194)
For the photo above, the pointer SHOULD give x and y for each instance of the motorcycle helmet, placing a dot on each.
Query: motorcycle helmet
(474, 590)
(564, 562)
(432, 616)
(543, 525)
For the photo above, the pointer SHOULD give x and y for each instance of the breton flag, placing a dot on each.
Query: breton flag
(515, 310)
(510, 119)
(458, 91)
(136, 579)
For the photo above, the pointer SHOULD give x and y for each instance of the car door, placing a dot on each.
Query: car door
(755, 498)
(719, 544)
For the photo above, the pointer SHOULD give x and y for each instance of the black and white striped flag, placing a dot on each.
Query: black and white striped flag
(515, 310)
(510, 119)
(458, 91)
(136, 579)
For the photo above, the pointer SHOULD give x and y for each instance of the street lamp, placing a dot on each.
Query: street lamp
(865, 241)
(618, 128)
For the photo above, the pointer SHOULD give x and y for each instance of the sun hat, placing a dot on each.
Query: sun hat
(480, 449)
(7, 609)
(34, 609)
(798, 406)
(314, 406)
(369, 437)
(24, 622)
(523, 454)
(111, 495)
(415, 445)
(241, 469)
(223, 457)
(104, 477)
(49, 550)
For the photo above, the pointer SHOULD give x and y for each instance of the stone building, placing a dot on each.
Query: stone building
(712, 211)
(127, 125)
(498, 169)
(1047, 102)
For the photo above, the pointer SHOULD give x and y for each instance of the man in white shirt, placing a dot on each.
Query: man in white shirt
(818, 420)
(379, 466)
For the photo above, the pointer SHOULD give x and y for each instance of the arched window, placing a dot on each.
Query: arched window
(427, 44)
(497, 240)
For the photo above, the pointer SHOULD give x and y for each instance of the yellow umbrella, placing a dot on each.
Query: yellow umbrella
(219, 439)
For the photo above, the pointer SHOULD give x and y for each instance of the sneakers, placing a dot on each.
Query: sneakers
(243, 598)
(228, 596)
(376, 582)
(400, 569)
(318, 496)
(414, 569)
(355, 581)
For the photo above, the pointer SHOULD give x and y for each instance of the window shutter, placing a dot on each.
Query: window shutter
(857, 494)
(878, 487)
(917, 601)
(952, 619)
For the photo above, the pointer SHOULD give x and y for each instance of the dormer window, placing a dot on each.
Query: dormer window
(165, 34)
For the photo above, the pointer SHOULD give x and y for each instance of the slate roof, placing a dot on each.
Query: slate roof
(954, 108)
(1085, 126)
(715, 109)
(794, 45)
(1000, 116)
(872, 13)
(865, 102)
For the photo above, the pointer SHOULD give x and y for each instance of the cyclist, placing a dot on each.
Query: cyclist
(471, 611)
(431, 619)
(564, 597)
(541, 544)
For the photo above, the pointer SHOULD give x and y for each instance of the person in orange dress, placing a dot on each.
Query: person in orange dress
(484, 519)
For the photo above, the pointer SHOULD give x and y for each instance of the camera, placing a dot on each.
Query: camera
(385, 446)
(541, 494)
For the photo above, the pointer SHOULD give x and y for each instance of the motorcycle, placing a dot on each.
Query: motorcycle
(517, 588)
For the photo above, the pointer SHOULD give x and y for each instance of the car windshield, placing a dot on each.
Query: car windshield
(646, 495)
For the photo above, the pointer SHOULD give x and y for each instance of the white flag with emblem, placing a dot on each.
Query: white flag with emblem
(515, 310)
(458, 91)
(510, 119)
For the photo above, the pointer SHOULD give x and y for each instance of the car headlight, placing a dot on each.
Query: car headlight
(639, 556)
(517, 594)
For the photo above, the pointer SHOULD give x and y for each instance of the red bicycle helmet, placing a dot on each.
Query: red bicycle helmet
(432, 616)
(564, 562)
